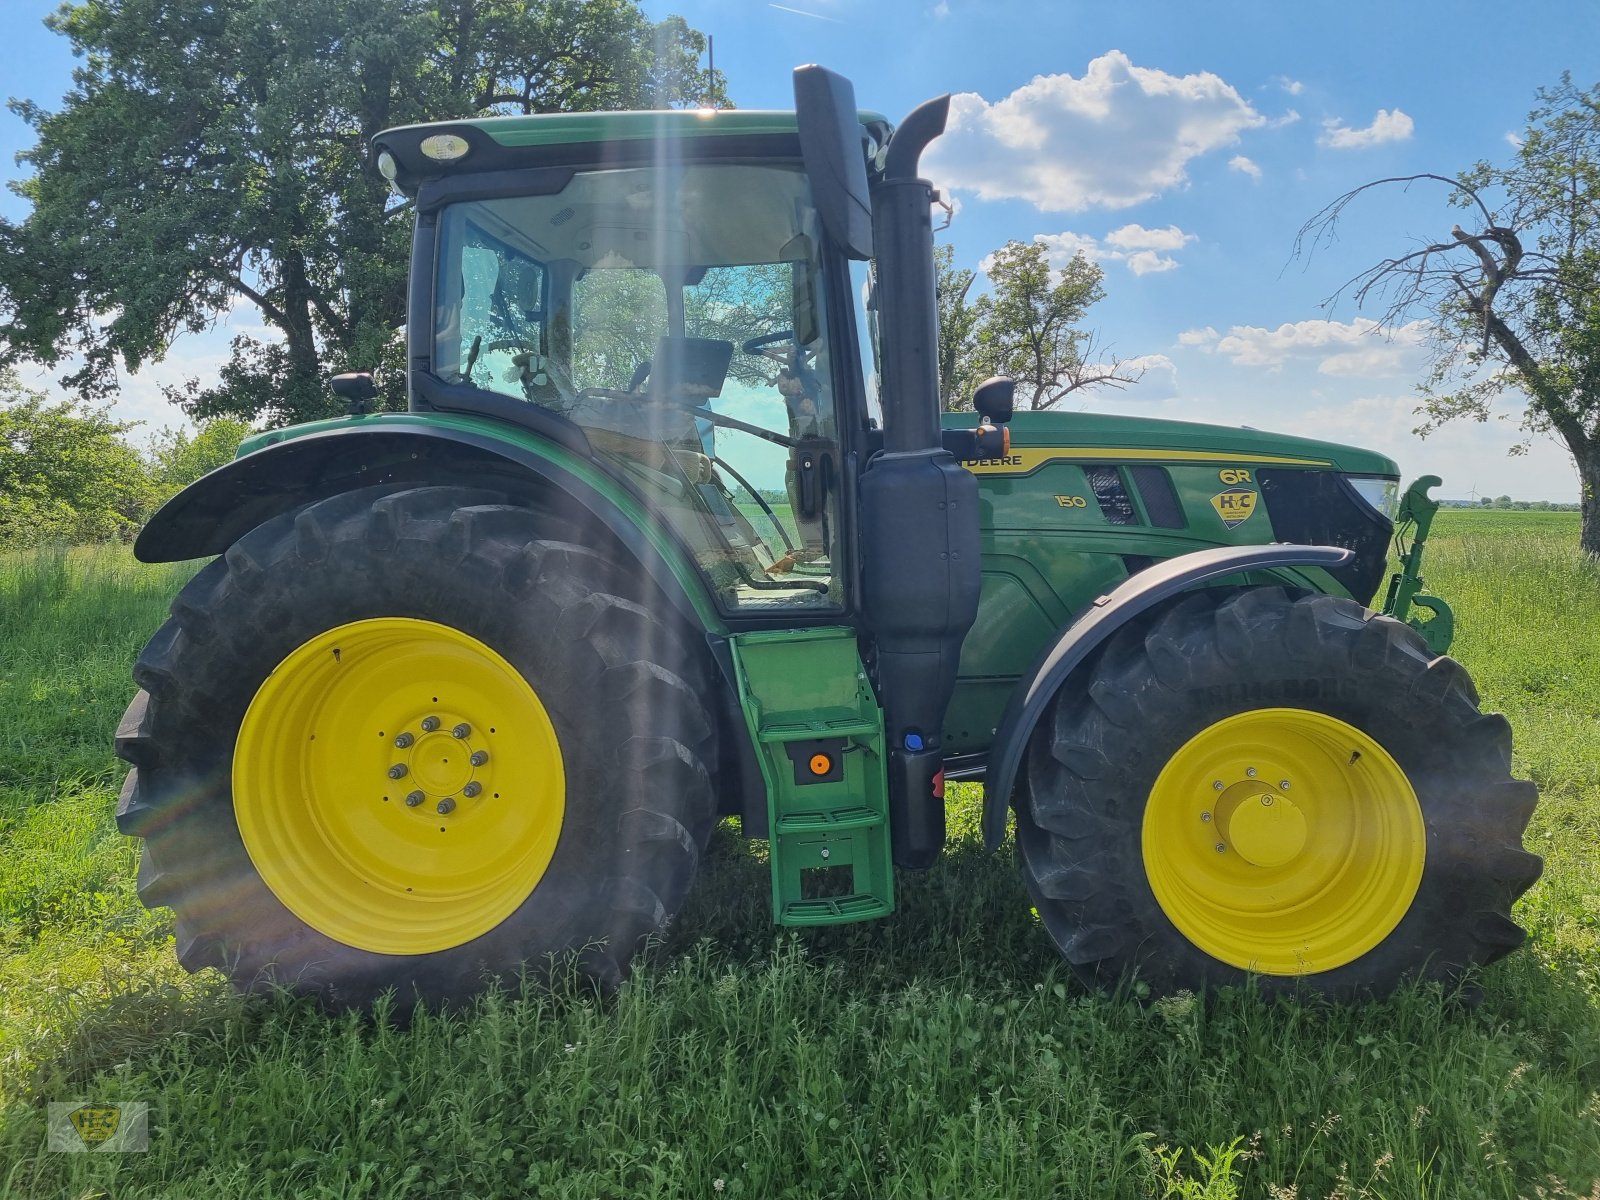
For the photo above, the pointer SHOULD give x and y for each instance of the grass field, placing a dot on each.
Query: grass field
(941, 1053)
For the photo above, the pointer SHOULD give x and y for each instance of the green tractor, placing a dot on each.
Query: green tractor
(674, 530)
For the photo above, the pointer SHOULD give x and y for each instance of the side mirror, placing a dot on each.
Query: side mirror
(830, 143)
(995, 399)
(356, 389)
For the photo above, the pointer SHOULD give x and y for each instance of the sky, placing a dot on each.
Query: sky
(1180, 145)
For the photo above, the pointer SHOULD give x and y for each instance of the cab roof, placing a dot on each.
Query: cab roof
(555, 139)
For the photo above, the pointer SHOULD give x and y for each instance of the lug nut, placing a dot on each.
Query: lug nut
(398, 771)
(445, 806)
(1266, 800)
(1216, 785)
(479, 757)
(1221, 848)
(1250, 771)
(472, 789)
(414, 798)
(1205, 816)
(462, 730)
(429, 724)
(1283, 785)
(404, 740)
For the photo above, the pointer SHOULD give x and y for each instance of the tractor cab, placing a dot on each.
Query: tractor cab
(677, 299)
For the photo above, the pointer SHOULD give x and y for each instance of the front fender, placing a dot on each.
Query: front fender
(216, 510)
(1108, 614)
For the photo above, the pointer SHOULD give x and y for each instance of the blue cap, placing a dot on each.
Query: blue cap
(913, 741)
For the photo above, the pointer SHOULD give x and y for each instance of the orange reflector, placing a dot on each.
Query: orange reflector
(821, 764)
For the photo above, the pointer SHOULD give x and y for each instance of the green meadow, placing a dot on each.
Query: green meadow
(944, 1052)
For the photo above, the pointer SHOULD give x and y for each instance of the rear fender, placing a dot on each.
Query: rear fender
(215, 511)
(1106, 615)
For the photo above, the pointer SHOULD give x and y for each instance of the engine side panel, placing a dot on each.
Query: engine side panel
(1084, 502)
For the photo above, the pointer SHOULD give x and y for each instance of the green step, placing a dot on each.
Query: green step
(829, 848)
(824, 820)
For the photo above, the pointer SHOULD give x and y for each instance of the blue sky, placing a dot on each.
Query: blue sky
(1180, 144)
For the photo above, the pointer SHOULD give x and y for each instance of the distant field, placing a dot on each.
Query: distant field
(944, 1052)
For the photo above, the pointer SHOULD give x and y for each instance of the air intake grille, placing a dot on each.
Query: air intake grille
(1113, 497)
(1159, 496)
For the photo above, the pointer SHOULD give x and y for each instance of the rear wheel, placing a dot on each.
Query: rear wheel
(399, 741)
(1293, 788)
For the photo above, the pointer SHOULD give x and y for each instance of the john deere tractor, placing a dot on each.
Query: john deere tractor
(674, 530)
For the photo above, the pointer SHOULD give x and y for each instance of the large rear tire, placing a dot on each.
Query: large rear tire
(399, 741)
(1253, 783)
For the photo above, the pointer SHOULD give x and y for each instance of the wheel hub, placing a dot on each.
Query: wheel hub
(398, 785)
(439, 763)
(1283, 841)
(1264, 829)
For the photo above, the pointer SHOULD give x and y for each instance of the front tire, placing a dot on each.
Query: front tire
(398, 740)
(1290, 788)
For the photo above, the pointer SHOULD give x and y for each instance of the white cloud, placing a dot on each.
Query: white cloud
(1244, 166)
(1359, 349)
(1467, 454)
(1137, 237)
(1293, 86)
(1143, 251)
(941, 10)
(1119, 135)
(1148, 262)
(1063, 246)
(1159, 380)
(1390, 125)
(1470, 455)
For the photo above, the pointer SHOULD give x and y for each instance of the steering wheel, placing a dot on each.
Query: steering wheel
(758, 345)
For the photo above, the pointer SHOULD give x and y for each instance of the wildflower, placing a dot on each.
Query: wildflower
(717, 1185)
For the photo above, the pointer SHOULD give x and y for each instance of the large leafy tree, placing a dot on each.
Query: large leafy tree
(1029, 325)
(215, 151)
(1513, 294)
(958, 329)
(65, 472)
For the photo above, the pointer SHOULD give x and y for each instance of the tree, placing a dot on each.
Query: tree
(958, 330)
(65, 473)
(1027, 327)
(177, 458)
(1514, 298)
(216, 151)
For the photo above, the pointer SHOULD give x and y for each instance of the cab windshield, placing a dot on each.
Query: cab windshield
(677, 315)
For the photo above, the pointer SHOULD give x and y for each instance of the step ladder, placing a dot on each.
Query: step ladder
(818, 733)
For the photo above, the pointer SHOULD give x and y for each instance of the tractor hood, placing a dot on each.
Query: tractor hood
(1039, 436)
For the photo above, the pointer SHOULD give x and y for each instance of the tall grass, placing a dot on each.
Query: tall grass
(944, 1052)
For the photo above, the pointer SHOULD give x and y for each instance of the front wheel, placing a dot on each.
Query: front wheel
(1292, 788)
(400, 740)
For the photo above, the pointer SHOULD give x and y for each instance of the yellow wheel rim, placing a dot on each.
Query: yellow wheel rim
(1283, 841)
(398, 785)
